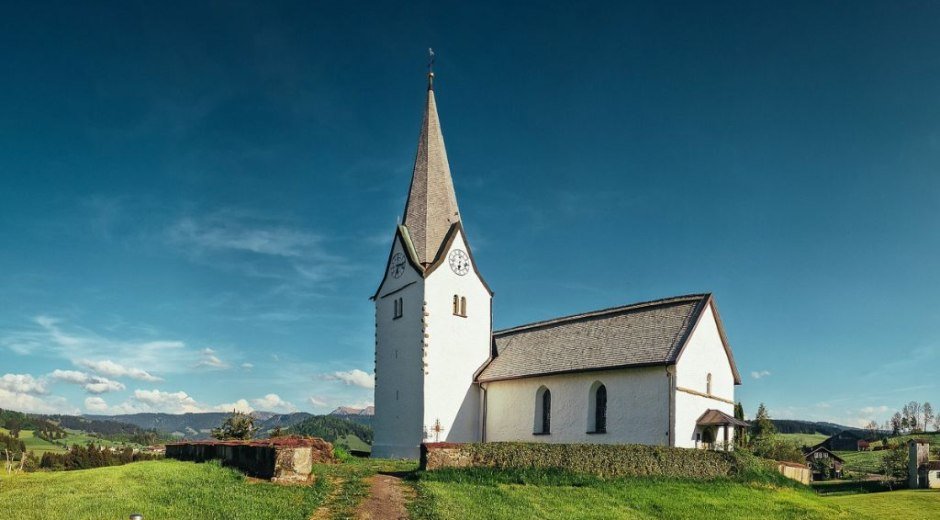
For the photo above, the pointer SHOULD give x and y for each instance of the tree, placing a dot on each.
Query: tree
(894, 465)
(872, 428)
(276, 432)
(763, 426)
(897, 422)
(238, 426)
(927, 410)
(740, 433)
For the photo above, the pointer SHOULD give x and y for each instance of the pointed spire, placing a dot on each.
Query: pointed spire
(432, 205)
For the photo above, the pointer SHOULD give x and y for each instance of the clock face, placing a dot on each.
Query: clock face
(397, 267)
(459, 262)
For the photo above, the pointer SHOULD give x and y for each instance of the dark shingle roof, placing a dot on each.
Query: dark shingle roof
(641, 334)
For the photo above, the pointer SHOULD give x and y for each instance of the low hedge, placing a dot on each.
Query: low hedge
(607, 460)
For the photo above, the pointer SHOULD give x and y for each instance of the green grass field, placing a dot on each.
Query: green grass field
(35, 444)
(920, 504)
(453, 497)
(40, 446)
(804, 439)
(862, 461)
(157, 489)
(185, 490)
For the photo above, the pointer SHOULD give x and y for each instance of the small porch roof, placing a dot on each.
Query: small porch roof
(713, 417)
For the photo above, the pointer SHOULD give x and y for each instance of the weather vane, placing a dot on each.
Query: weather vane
(430, 68)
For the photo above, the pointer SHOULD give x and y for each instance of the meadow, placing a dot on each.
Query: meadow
(804, 439)
(156, 489)
(183, 490)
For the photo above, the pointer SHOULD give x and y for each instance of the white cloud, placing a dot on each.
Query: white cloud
(228, 232)
(316, 401)
(354, 377)
(91, 384)
(247, 366)
(168, 402)
(760, 374)
(22, 384)
(273, 403)
(110, 368)
(210, 360)
(239, 406)
(96, 404)
(30, 403)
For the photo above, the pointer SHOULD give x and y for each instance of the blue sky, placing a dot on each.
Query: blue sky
(198, 198)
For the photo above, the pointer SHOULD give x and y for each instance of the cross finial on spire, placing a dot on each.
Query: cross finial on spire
(430, 68)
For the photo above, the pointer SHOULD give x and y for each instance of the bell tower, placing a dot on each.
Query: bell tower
(433, 313)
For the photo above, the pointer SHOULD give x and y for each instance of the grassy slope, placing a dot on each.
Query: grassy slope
(804, 439)
(863, 461)
(158, 489)
(352, 442)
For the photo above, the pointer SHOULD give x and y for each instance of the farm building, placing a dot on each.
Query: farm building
(814, 456)
(658, 372)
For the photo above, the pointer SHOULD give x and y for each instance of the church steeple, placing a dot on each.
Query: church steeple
(432, 205)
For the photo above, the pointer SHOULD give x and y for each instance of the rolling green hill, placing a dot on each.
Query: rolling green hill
(342, 432)
(35, 444)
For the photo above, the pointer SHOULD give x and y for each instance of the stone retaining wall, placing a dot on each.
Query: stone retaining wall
(282, 459)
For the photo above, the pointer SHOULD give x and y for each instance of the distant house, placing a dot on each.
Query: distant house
(846, 440)
(863, 445)
(819, 453)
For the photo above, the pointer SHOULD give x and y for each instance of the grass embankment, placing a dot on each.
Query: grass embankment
(157, 489)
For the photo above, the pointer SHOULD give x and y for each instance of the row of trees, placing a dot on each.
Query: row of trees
(91, 456)
(913, 417)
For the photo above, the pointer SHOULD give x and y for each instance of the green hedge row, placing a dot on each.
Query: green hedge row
(610, 460)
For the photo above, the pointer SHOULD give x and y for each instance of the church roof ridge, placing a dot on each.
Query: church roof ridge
(603, 312)
(431, 207)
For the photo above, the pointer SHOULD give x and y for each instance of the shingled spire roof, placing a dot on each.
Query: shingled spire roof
(432, 205)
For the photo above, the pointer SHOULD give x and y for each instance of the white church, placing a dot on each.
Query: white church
(658, 372)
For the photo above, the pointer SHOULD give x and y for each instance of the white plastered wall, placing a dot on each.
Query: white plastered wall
(704, 354)
(637, 407)
(399, 375)
(456, 347)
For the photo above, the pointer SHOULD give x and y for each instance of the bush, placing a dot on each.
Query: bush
(774, 448)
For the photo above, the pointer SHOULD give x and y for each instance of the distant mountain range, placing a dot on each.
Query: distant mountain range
(200, 425)
(349, 410)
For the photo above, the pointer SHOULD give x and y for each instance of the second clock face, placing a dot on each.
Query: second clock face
(459, 262)
(397, 267)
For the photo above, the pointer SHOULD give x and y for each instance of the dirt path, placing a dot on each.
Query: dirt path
(386, 500)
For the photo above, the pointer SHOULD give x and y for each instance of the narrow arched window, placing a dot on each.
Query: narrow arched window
(543, 411)
(547, 411)
(456, 305)
(600, 409)
(708, 384)
(463, 306)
